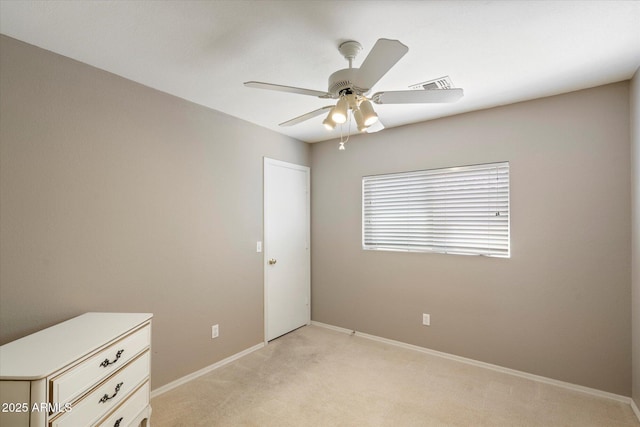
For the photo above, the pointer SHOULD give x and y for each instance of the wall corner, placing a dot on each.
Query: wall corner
(634, 121)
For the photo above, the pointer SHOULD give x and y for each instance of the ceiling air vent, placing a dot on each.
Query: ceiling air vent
(439, 83)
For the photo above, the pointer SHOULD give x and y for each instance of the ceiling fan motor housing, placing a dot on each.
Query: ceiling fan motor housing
(343, 80)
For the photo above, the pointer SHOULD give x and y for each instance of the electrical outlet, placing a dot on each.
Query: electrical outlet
(426, 319)
(215, 331)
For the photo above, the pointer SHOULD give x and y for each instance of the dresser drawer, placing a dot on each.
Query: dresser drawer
(75, 381)
(93, 406)
(130, 408)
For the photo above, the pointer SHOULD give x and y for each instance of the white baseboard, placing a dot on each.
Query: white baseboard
(538, 378)
(635, 409)
(173, 384)
(333, 328)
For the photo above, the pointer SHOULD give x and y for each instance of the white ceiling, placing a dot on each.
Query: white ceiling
(500, 52)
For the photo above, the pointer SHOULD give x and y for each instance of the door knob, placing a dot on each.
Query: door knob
(272, 261)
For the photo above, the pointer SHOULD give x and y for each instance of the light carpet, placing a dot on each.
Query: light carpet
(319, 377)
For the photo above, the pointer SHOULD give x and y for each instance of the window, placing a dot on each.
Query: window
(460, 210)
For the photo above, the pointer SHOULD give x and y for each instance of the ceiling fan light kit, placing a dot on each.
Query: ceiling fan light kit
(351, 87)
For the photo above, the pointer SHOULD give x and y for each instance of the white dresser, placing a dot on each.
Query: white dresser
(92, 370)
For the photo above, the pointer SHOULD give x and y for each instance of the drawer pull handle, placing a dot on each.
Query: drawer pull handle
(118, 421)
(106, 397)
(106, 362)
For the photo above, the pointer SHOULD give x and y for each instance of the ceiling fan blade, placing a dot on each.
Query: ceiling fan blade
(418, 96)
(291, 89)
(384, 55)
(306, 116)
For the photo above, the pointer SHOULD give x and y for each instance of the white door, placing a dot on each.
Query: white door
(287, 247)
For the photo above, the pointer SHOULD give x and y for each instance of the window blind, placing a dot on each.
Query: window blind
(459, 210)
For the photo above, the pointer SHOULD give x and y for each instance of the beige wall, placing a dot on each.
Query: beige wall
(117, 197)
(635, 246)
(559, 307)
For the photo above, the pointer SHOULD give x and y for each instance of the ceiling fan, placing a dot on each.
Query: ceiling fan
(351, 87)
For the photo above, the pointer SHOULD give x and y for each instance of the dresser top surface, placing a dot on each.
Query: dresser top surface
(40, 354)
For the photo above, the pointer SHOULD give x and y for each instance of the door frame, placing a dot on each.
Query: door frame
(307, 170)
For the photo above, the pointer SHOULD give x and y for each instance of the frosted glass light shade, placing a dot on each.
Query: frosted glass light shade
(368, 114)
(328, 122)
(339, 112)
(357, 114)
